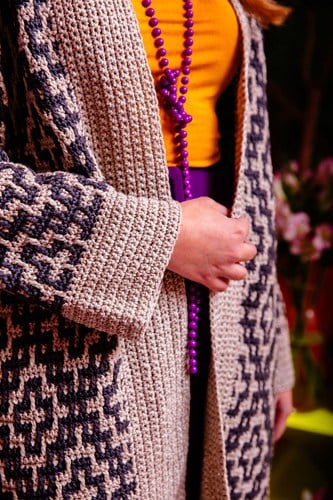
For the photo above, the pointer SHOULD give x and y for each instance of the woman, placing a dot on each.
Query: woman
(95, 358)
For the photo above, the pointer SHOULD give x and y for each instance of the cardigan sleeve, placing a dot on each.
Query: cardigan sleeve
(73, 244)
(284, 372)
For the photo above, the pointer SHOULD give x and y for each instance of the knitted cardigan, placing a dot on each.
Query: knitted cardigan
(94, 391)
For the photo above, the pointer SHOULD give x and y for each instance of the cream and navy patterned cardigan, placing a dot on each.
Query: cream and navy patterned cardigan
(94, 400)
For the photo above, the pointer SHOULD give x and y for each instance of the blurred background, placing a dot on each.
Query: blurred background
(300, 101)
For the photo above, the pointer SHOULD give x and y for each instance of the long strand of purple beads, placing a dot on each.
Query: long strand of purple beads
(173, 102)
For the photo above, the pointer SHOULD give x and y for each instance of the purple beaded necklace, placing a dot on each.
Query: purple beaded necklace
(173, 102)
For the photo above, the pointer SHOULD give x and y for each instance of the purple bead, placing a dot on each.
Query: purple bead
(153, 21)
(187, 52)
(188, 42)
(175, 115)
(150, 12)
(193, 370)
(156, 32)
(158, 42)
(189, 32)
(193, 362)
(174, 100)
(164, 81)
(161, 52)
(163, 62)
(192, 366)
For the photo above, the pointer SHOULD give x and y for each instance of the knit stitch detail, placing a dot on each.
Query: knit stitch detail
(64, 218)
(87, 228)
(64, 425)
(250, 418)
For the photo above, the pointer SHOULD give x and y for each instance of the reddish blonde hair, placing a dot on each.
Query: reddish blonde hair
(266, 11)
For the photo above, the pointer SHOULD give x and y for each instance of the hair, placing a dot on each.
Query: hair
(267, 11)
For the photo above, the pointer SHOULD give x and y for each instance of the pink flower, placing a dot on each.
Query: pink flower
(291, 181)
(323, 237)
(297, 232)
(301, 198)
(297, 227)
(311, 248)
(324, 171)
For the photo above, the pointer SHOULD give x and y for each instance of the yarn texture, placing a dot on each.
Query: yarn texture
(94, 392)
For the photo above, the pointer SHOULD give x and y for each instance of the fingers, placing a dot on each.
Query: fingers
(249, 251)
(283, 408)
(211, 246)
(219, 285)
(223, 210)
(234, 271)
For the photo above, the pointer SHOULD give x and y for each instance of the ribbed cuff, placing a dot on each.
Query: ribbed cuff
(116, 285)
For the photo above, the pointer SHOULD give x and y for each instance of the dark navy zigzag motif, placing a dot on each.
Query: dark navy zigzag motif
(45, 223)
(44, 132)
(71, 404)
(248, 475)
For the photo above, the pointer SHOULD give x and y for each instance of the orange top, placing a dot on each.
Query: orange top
(214, 62)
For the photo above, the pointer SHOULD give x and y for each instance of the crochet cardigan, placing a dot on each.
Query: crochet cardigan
(94, 392)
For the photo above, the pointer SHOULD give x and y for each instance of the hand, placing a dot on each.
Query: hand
(283, 408)
(211, 246)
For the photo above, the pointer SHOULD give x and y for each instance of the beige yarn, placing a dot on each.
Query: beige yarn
(120, 285)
